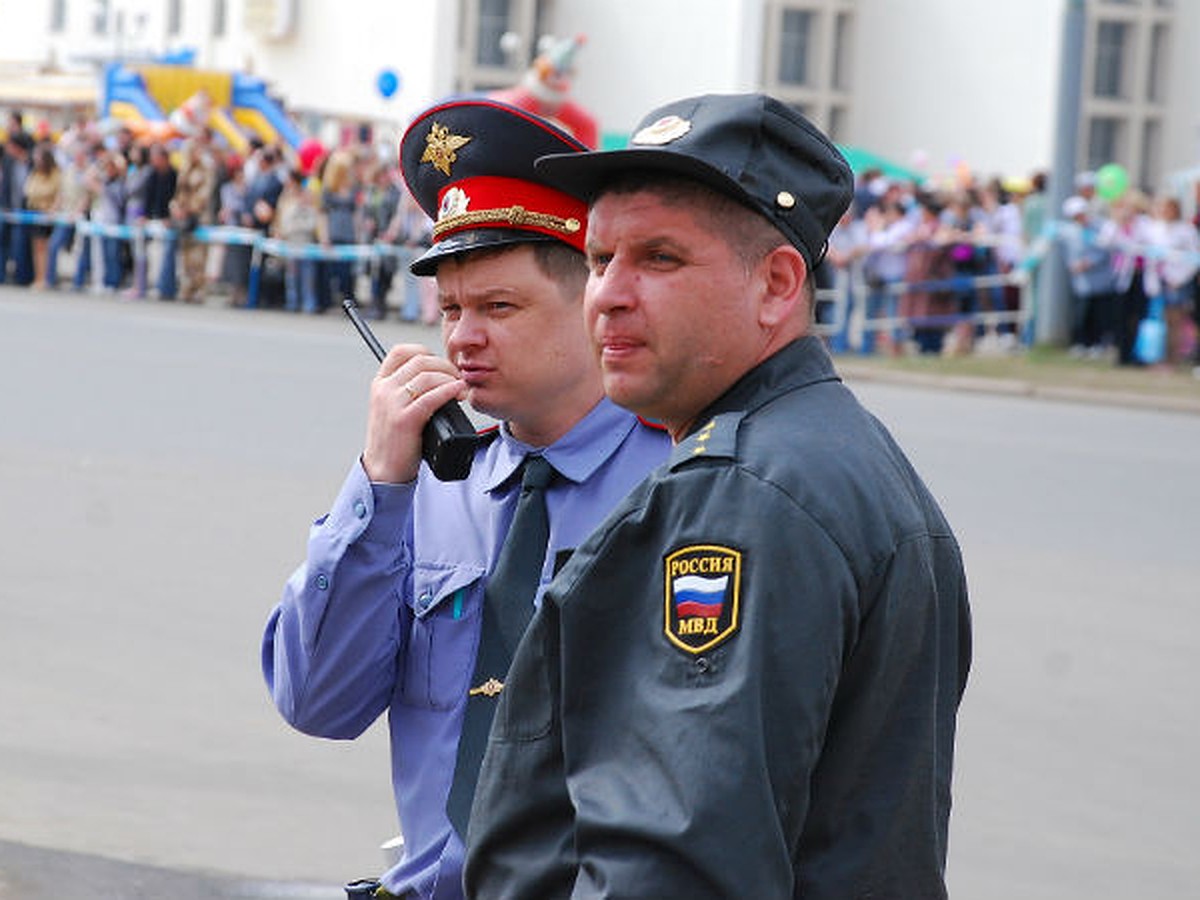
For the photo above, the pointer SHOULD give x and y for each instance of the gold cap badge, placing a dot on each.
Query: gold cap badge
(441, 147)
(454, 203)
(665, 130)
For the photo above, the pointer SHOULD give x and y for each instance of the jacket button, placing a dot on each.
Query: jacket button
(322, 582)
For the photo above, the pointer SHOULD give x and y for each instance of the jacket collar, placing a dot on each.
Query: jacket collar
(803, 362)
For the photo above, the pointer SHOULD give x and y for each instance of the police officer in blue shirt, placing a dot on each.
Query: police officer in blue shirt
(745, 683)
(396, 607)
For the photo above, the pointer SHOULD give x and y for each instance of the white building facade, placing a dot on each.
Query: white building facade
(928, 84)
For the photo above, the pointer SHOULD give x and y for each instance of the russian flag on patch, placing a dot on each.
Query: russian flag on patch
(702, 588)
(696, 595)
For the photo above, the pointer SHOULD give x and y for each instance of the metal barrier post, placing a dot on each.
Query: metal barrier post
(254, 277)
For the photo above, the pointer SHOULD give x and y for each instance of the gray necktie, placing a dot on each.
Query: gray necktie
(507, 609)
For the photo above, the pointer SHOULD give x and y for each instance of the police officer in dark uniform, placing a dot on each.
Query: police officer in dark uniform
(745, 683)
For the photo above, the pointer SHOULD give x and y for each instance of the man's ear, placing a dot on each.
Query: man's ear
(784, 273)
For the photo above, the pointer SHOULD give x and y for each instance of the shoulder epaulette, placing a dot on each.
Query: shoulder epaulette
(717, 439)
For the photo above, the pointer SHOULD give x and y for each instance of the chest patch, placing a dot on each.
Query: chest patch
(703, 588)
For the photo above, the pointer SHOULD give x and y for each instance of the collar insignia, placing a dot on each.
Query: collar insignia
(665, 130)
(441, 147)
(702, 595)
(701, 442)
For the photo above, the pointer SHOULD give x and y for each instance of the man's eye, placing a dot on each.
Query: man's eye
(450, 313)
(598, 262)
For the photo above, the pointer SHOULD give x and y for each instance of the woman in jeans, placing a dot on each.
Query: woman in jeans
(296, 223)
(106, 183)
(339, 220)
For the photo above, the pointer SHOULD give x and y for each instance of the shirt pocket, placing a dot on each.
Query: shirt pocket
(440, 657)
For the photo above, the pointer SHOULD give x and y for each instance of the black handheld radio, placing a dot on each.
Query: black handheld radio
(449, 439)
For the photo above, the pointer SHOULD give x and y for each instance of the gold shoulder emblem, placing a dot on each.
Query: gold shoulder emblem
(441, 147)
(489, 688)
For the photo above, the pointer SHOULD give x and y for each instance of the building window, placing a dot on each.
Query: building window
(1112, 38)
(58, 16)
(219, 17)
(174, 17)
(843, 31)
(100, 17)
(795, 43)
(808, 59)
(1156, 78)
(837, 124)
(1151, 152)
(1130, 83)
(493, 23)
(497, 39)
(541, 27)
(1104, 141)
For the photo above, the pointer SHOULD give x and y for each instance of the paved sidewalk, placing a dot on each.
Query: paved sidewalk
(32, 873)
(1176, 400)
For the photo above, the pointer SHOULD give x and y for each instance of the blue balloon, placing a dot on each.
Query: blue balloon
(387, 83)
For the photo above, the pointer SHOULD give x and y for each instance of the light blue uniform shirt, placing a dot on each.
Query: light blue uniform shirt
(384, 613)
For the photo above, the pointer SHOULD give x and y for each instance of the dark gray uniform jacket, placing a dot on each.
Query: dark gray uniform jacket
(744, 684)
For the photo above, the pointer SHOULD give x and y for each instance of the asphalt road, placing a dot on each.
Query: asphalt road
(159, 465)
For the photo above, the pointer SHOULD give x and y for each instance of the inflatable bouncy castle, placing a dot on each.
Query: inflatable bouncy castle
(165, 101)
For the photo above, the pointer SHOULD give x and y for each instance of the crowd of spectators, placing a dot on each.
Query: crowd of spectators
(178, 219)
(940, 269)
(913, 268)
(1130, 260)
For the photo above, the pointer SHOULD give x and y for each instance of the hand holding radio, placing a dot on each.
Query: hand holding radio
(430, 386)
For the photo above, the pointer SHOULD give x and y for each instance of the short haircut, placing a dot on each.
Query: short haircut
(746, 231)
(559, 262)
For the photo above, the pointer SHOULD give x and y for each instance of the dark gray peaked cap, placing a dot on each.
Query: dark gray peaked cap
(751, 147)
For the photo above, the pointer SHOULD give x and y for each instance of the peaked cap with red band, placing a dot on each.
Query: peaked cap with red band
(469, 164)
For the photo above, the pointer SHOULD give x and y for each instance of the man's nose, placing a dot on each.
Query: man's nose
(611, 289)
(468, 330)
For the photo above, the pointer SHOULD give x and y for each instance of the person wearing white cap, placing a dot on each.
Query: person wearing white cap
(1090, 269)
(1085, 187)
